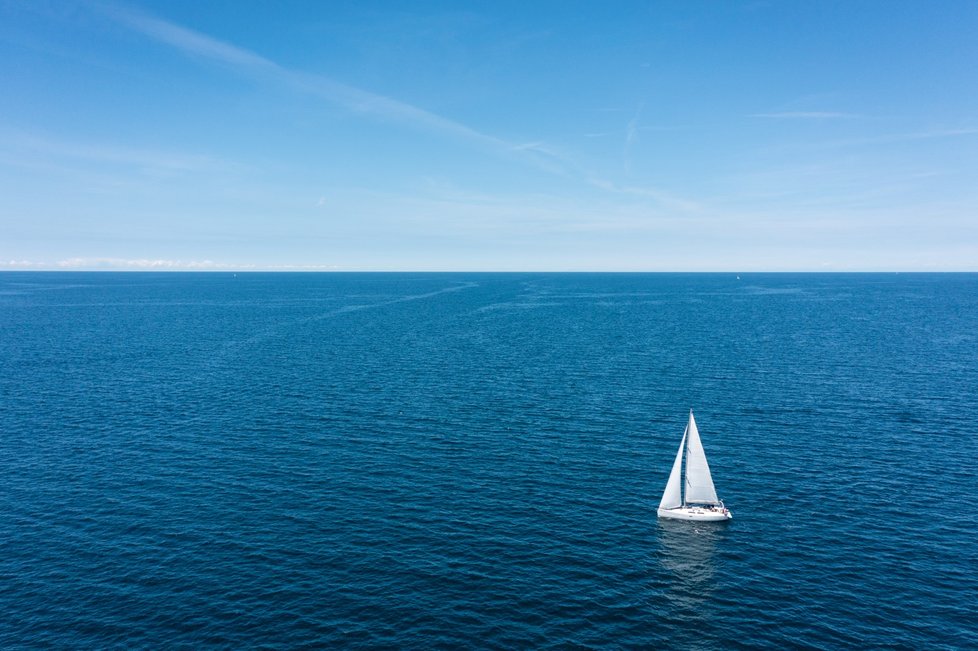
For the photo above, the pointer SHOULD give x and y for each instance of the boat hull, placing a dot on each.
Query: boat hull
(695, 513)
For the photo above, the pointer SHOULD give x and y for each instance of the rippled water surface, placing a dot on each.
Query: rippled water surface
(441, 461)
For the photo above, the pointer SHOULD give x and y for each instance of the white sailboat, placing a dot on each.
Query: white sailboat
(689, 493)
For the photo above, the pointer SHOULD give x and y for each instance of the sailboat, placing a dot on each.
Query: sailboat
(689, 493)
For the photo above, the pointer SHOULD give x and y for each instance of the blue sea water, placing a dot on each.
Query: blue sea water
(440, 461)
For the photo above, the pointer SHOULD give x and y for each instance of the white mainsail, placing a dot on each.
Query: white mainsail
(672, 496)
(699, 483)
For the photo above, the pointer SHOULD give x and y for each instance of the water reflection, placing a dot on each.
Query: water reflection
(687, 551)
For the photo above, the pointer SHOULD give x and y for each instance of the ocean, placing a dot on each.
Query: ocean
(443, 461)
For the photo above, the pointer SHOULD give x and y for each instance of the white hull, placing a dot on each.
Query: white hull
(702, 514)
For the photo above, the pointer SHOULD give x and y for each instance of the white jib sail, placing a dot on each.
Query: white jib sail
(699, 483)
(671, 497)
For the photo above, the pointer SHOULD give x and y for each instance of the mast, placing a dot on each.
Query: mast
(683, 475)
(686, 457)
(699, 483)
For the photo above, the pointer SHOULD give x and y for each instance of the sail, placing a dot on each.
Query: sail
(671, 497)
(699, 483)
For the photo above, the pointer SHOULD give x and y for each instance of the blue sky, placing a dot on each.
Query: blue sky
(626, 136)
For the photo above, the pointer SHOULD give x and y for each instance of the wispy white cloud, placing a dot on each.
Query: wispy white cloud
(357, 100)
(299, 267)
(143, 263)
(537, 153)
(531, 146)
(805, 115)
(547, 157)
(21, 264)
(631, 135)
(667, 199)
(186, 39)
(901, 137)
(349, 97)
(158, 264)
(155, 159)
(352, 98)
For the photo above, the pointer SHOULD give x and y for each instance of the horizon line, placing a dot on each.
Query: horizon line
(490, 271)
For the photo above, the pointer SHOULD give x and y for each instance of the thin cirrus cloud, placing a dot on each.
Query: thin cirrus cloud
(805, 115)
(146, 264)
(22, 264)
(888, 139)
(20, 141)
(142, 263)
(662, 197)
(361, 101)
(631, 135)
(349, 97)
(155, 264)
(902, 137)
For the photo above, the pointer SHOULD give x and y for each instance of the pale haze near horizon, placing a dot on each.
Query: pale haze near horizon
(654, 136)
